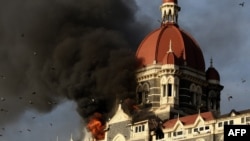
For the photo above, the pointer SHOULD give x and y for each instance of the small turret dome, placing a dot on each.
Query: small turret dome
(212, 75)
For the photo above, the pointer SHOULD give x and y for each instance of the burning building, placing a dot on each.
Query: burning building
(177, 98)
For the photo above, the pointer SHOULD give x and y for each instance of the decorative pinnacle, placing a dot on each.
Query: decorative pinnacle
(170, 46)
(211, 62)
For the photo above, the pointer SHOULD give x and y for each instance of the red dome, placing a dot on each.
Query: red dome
(212, 74)
(184, 49)
(164, 1)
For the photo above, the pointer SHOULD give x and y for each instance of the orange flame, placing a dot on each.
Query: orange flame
(136, 108)
(131, 105)
(96, 127)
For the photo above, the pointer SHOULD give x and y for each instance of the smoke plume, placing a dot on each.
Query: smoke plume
(82, 50)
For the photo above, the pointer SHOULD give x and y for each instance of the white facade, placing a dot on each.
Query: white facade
(200, 127)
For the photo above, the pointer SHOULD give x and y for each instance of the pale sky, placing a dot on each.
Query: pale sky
(222, 30)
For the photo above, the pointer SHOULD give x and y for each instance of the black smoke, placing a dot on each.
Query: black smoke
(83, 50)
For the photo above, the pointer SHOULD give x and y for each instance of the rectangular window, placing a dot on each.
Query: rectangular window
(139, 128)
(206, 127)
(220, 124)
(225, 122)
(195, 129)
(174, 133)
(169, 135)
(169, 89)
(242, 120)
(201, 128)
(164, 90)
(190, 131)
(247, 119)
(179, 133)
(136, 129)
(231, 122)
(143, 128)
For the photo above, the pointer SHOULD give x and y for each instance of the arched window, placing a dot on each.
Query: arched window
(139, 94)
(142, 93)
(193, 94)
(165, 16)
(167, 86)
(170, 87)
(145, 93)
(169, 15)
(212, 100)
(164, 86)
(198, 95)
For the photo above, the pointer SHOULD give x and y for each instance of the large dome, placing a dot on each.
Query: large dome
(170, 45)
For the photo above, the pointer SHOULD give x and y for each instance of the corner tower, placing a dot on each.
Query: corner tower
(172, 77)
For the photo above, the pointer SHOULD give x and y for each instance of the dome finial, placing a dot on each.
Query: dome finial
(211, 62)
(71, 138)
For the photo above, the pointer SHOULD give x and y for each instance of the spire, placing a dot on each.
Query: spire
(211, 62)
(71, 138)
(169, 11)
